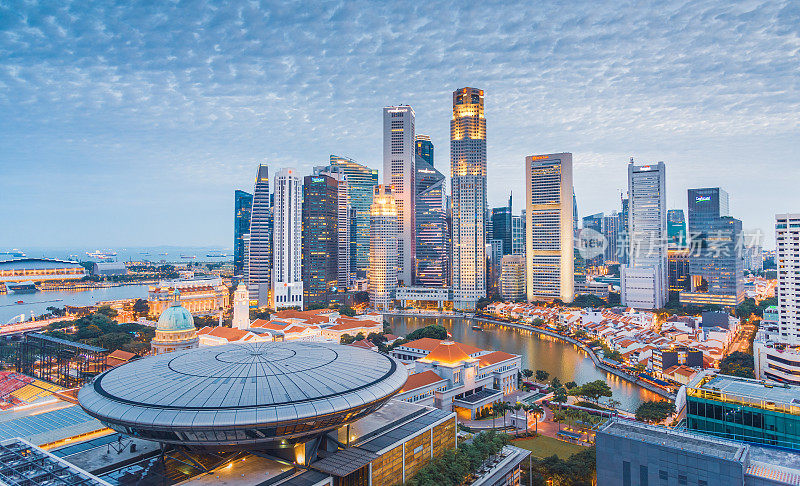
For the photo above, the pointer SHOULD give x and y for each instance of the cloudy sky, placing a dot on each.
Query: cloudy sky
(132, 123)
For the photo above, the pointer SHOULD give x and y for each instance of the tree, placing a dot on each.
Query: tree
(361, 297)
(141, 308)
(555, 383)
(542, 375)
(560, 396)
(559, 417)
(433, 331)
(107, 311)
(527, 373)
(347, 339)
(614, 405)
(738, 364)
(570, 385)
(592, 390)
(747, 308)
(347, 311)
(657, 411)
(537, 410)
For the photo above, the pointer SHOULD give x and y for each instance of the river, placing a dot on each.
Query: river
(40, 301)
(539, 352)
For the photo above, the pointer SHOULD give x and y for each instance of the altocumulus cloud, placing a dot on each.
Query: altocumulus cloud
(151, 104)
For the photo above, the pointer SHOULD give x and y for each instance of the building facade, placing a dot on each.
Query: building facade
(259, 267)
(399, 157)
(287, 288)
(429, 236)
(468, 197)
(512, 277)
(610, 232)
(344, 233)
(175, 329)
(320, 254)
(787, 235)
(198, 295)
(676, 229)
(644, 279)
(242, 206)
(501, 227)
(518, 235)
(549, 227)
(424, 148)
(361, 182)
(383, 248)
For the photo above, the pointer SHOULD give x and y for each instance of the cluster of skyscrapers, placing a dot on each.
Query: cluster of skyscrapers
(314, 239)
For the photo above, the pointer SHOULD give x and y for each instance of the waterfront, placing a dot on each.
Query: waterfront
(539, 352)
(40, 301)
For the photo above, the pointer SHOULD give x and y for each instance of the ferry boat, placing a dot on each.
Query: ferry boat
(102, 255)
(15, 253)
(216, 255)
(22, 287)
(188, 257)
(477, 328)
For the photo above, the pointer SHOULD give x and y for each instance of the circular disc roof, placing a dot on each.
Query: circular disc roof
(243, 393)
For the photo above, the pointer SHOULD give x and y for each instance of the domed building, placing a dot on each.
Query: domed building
(175, 329)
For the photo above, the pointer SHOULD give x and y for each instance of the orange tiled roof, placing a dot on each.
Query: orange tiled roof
(495, 357)
(364, 343)
(228, 333)
(418, 380)
(273, 325)
(121, 355)
(427, 344)
(350, 325)
(448, 352)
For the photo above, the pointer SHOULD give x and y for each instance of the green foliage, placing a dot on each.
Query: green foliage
(361, 297)
(555, 383)
(592, 390)
(542, 375)
(316, 306)
(570, 385)
(560, 395)
(766, 303)
(527, 373)
(746, 308)
(588, 300)
(107, 311)
(433, 331)
(205, 321)
(259, 314)
(577, 470)
(453, 467)
(141, 307)
(99, 330)
(655, 411)
(738, 364)
(347, 311)
(347, 339)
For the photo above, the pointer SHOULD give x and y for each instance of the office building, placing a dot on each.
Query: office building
(287, 288)
(429, 236)
(592, 229)
(494, 255)
(610, 232)
(361, 182)
(754, 257)
(501, 227)
(518, 234)
(773, 358)
(344, 232)
(787, 235)
(468, 197)
(676, 229)
(383, 248)
(549, 227)
(644, 279)
(201, 295)
(424, 148)
(743, 409)
(259, 282)
(678, 273)
(631, 453)
(320, 256)
(623, 243)
(242, 205)
(512, 278)
(715, 259)
(399, 157)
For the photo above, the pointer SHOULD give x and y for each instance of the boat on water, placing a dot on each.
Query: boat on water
(216, 255)
(477, 328)
(22, 288)
(102, 255)
(20, 302)
(188, 257)
(15, 253)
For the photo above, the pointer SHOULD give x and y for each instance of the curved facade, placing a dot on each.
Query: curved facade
(243, 395)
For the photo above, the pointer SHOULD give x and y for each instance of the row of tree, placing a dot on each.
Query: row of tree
(453, 467)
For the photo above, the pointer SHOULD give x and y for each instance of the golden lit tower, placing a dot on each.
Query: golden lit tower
(468, 178)
(383, 248)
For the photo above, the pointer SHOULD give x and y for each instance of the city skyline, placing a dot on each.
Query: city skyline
(190, 118)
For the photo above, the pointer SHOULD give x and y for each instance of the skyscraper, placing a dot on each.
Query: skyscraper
(501, 227)
(518, 235)
(623, 243)
(424, 148)
(715, 259)
(676, 229)
(343, 230)
(259, 281)
(399, 154)
(361, 182)
(320, 238)
(644, 279)
(383, 248)
(287, 237)
(549, 227)
(592, 228)
(242, 206)
(611, 234)
(430, 252)
(787, 235)
(468, 179)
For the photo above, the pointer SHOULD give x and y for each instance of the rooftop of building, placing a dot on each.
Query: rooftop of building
(496, 357)
(418, 380)
(447, 352)
(788, 395)
(429, 344)
(36, 264)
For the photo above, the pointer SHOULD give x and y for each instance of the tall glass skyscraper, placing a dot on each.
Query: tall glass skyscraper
(399, 156)
(260, 250)
(518, 235)
(550, 260)
(644, 279)
(320, 242)
(715, 260)
(242, 206)
(430, 234)
(361, 185)
(501, 227)
(468, 179)
(383, 248)
(676, 229)
(424, 148)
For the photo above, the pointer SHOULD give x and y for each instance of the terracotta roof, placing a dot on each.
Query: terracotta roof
(344, 324)
(495, 357)
(390, 337)
(449, 352)
(427, 344)
(121, 355)
(296, 314)
(364, 343)
(228, 333)
(273, 325)
(418, 380)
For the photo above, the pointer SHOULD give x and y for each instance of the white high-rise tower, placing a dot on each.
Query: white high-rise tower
(286, 240)
(241, 308)
(549, 227)
(383, 233)
(787, 234)
(643, 280)
(399, 152)
(468, 200)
